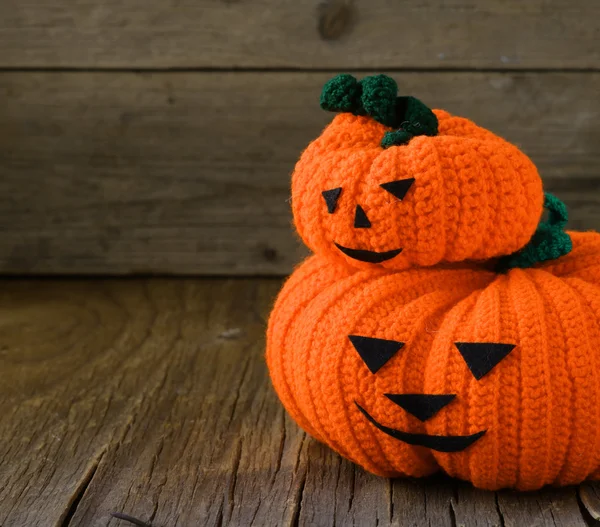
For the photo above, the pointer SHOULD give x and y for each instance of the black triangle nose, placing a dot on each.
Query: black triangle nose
(361, 221)
(422, 406)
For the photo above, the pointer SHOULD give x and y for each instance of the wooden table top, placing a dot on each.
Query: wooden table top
(151, 398)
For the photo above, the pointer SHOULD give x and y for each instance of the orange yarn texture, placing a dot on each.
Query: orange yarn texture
(398, 343)
(474, 195)
(531, 419)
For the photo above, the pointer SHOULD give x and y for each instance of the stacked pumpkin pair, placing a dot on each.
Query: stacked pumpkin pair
(441, 323)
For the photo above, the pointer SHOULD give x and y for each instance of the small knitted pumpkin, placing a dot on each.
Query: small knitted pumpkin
(392, 183)
(492, 378)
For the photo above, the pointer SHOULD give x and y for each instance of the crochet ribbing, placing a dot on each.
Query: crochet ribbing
(539, 406)
(440, 325)
(475, 196)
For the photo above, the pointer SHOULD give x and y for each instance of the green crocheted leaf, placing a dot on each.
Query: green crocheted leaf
(419, 118)
(379, 98)
(549, 241)
(376, 96)
(342, 94)
(396, 138)
(413, 118)
(558, 213)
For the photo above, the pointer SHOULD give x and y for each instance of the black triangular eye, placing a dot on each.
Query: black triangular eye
(482, 357)
(398, 188)
(331, 198)
(375, 352)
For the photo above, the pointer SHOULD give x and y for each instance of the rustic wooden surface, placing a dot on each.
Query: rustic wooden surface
(188, 173)
(151, 398)
(308, 34)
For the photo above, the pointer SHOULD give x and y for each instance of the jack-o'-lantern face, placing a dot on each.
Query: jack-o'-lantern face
(392, 183)
(361, 221)
(492, 378)
(480, 358)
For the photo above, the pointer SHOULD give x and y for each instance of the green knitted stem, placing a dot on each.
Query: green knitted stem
(379, 98)
(376, 96)
(414, 119)
(396, 138)
(420, 119)
(342, 94)
(549, 241)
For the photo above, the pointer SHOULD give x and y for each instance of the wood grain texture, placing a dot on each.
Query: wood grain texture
(188, 173)
(476, 507)
(290, 34)
(151, 398)
(589, 493)
(548, 507)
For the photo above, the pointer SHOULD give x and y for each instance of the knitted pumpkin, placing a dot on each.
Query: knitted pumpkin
(492, 378)
(392, 183)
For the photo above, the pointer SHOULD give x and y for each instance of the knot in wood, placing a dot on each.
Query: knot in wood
(335, 18)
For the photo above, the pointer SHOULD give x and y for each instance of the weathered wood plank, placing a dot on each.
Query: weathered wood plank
(213, 447)
(151, 398)
(77, 361)
(273, 34)
(475, 508)
(336, 492)
(189, 173)
(549, 507)
(144, 397)
(590, 498)
(423, 502)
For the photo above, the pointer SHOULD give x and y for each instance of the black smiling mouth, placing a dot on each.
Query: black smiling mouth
(438, 443)
(364, 255)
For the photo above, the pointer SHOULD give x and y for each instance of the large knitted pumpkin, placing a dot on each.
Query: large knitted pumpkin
(392, 183)
(493, 378)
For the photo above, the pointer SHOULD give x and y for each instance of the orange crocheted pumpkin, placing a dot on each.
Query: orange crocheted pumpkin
(393, 183)
(493, 378)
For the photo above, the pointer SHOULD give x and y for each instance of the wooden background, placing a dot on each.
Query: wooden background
(157, 136)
